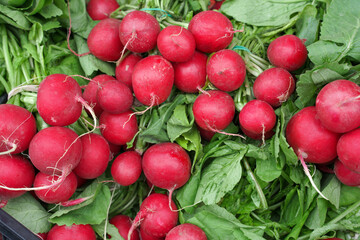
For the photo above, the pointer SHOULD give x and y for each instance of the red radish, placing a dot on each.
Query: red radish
(257, 117)
(91, 89)
(101, 9)
(345, 175)
(123, 224)
(80, 181)
(73, 232)
(205, 134)
(125, 68)
(348, 150)
(226, 70)
(17, 128)
(214, 110)
(114, 97)
(118, 128)
(95, 156)
(126, 168)
(274, 86)
(152, 80)
(59, 100)
(176, 44)
(103, 40)
(190, 76)
(114, 150)
(287, 52)
(146, 236)
(309, 138)
(338, 106)
(155, 216)
(55, 150)
(186, 231)
(56, 194)
(260, 136)
(166, 165)
(212, 31)
(15, 172)
(138, 31)
(215, 4)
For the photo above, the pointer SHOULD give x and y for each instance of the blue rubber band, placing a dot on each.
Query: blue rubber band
(241, 48)
(156, 9)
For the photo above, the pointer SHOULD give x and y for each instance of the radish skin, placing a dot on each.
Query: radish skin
(101, 9)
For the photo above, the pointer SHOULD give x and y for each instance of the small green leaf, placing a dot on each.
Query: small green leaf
(307, 26)
(50, 11)
(29, 211)
(332, 190)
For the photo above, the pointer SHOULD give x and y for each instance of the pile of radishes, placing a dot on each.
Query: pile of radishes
(55, 158)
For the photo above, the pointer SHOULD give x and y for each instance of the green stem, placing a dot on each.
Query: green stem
(173, 22)
(257, 185)
(8, 61)
(5, 84)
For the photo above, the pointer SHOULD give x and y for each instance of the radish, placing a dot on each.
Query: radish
(260, 136)
(17, 128)
(73, 232)
(176, 44)
(309, 138)
(118, 128)
(257, 117)
(91, 89)
(139, 31)
(287, 52)
(146, 236)
(338, 106)
(55, 150)
(345, 175)
(152, 80)
(15, 172)
(186, 231)
(126, 168)
(190, 76)
(123, 224)
(166, 165)
(101, 9)
(226, 70)
(59, 100)
(212, 31)
(103, 40)
(114, 97)
(274, 86)
(95, 156)
(348, 150)
(56, 194)
(214, 110)
(155, 216)
(125, 68)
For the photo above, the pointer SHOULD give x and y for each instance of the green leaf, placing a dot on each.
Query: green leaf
(180, 122)
(332, 190)
(322, 52)
(342, 25)
(306, 89)
(324, 75)
(261, 12)
(36, 6)
(13, 17)
(29, 211)
(90, 63)
(318, 216)
(349, 195)
(111, 230)
(221, 176)
(267, 170)
(81, 23)
(69, 65)
(50, 11)
(92, 211)
(186, 194)
(36, 34)
(307, 25)
(219, 224)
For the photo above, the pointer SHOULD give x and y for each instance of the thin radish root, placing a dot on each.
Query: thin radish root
(137, 220)
(203, 91)
(263, 135)
(68, 36)
(222, 132)
(153, 102)
(29, 88)
(133, 36)
(75, 201)
(307, 173)
(12, 149)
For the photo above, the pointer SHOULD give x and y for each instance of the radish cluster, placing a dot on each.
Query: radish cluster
(329, 131)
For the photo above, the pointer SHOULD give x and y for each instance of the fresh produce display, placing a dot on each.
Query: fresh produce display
(169, 119)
